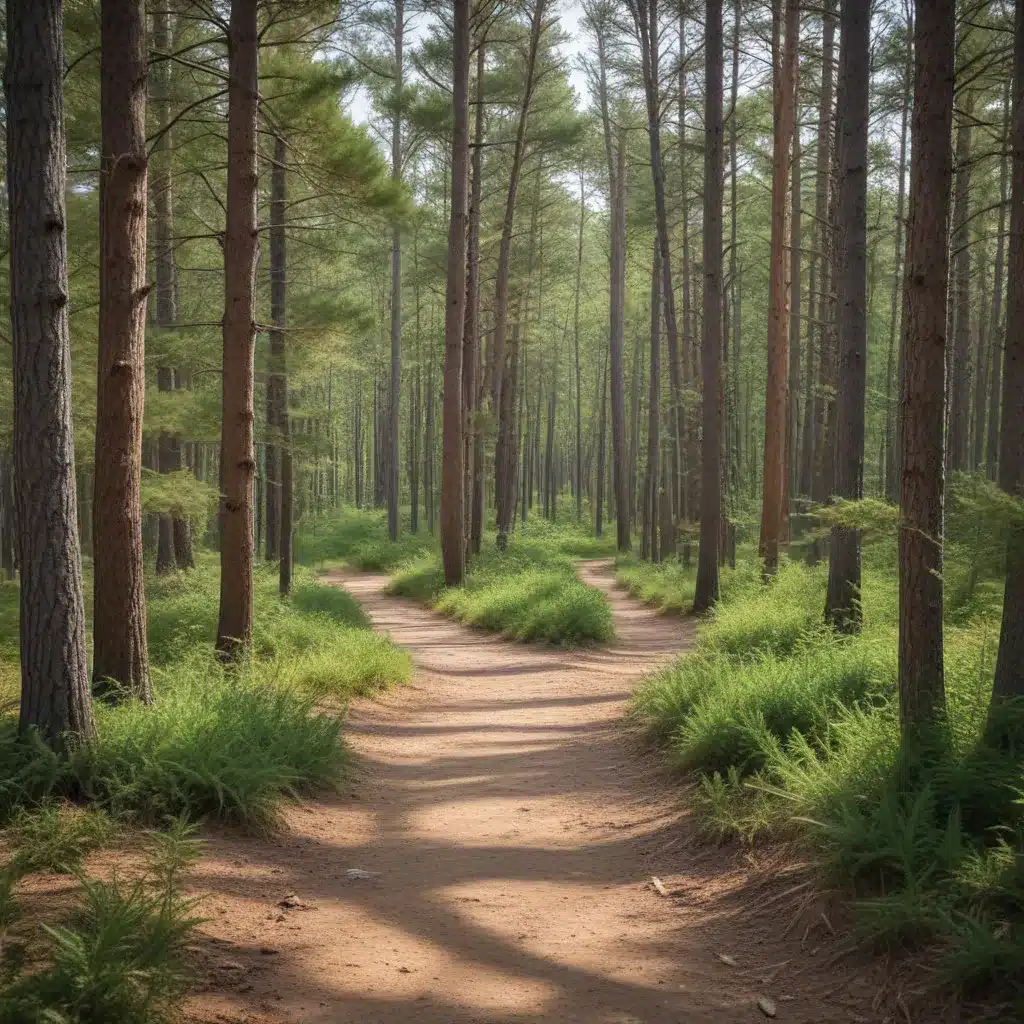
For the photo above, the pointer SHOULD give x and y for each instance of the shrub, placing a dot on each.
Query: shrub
(120, 957)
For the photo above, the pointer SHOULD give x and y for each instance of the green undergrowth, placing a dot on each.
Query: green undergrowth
(359, 538)
(530, 591)
(117, 953)
(231, 743)
(791, 730)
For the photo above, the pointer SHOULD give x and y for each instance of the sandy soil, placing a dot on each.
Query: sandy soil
(491, 860)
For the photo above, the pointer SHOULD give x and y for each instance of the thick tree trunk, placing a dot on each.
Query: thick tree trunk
(842, 603)
(277, 379)
(234, 627)
(706, 593)
(120, 652)
(395, 392)
(453, 547)
(616, 335)
(795, 322)
(921, 685)
(775, 504)
(958, 443)
(734, 452)
(54, 675)
(1009, 678)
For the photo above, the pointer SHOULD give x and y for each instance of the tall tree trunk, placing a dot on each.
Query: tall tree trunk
(735, 454)
(471, 360)
(602, 446)
(888, 462)
(616, 334)
(645, 17)
(706, 593)
(276, 401)
(277, 379)
(54, 676)
(120, 651)
(818, 277)
(576, 350)
(981, 347)
(921, 685)
(842, 603)
(998, 328)
(958, 444)
(773, 514)
(168, 446)
(1009, 678)
(795, 319)
(652, 478)
(395, 393)
(234, 627)
(453, 548)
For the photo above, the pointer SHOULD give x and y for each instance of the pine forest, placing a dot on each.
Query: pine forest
(512, 510)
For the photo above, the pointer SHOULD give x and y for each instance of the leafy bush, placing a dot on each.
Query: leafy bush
(120, 957)
(792, 729)
(528, 592)
(56, 836)
(669, 587)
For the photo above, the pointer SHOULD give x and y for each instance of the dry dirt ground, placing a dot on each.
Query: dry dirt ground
(491, 857)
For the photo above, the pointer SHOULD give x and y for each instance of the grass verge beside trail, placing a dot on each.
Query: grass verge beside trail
(792, 730)
(359, 538)
(531, 591)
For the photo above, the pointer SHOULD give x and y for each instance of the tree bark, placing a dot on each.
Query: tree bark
(616, 334)
(1009, 678)
(576, 350)
(652, 478)
(471, 395)
(395, 392)
(55, 697)
(958, 443)
(818, 274)
(773, 514)
(120, 651)
(234, 626)
(998, 325)
(921, 684)
(453, 548)
(707, 589)
(277, 379)
(842, 602)
(890, 476)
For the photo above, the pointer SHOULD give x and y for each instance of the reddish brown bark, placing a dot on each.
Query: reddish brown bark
(453, 548)
(54, 676)
(120, 653)
(234, 627)
(921, 683)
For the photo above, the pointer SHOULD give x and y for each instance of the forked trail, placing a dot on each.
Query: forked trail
(504, 828)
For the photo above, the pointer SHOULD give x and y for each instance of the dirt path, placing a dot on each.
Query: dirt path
(512, 827)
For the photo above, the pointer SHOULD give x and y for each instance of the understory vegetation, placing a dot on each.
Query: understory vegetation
(231, 743)
(792, 731)
(530, 591)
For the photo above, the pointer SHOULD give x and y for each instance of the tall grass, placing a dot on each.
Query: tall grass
(530, 591)
(793, 730)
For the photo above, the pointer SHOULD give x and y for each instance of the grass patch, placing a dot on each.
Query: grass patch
(529, 592)
(120, 954)
(793, 730)
(358, 538)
